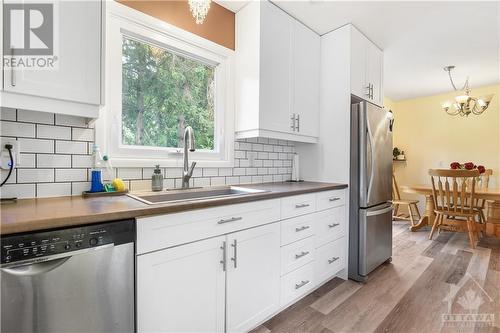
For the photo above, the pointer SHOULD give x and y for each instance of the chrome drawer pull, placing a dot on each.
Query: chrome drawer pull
(333, 225)
(301, 205)
(334, 259)
(333, 199)
(302, 228)
(301, 284)
(304, 253)
(232, 219)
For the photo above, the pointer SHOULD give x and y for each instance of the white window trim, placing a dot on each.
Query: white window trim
(122, 19)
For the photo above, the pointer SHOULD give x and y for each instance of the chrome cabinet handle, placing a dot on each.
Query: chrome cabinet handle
(300, 255)
(232, 219)
(292, 118)
(301, 205)
(223, 261)
(333, 199)
(301, 284)
(334, 259)
(302, 228)
(235, 258)
(298, 123)
(369, 90)
(333, 225)
(12, 70)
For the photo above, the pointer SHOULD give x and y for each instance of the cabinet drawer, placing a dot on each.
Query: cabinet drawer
(297, 283)
(162, 231)
(330, 199)
(297, 228)
(298, 205)
(296, 255)
(329, 259)
(329, 225)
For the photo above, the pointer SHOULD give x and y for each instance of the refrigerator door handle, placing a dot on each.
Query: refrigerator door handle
(380, 211)
(372, 161)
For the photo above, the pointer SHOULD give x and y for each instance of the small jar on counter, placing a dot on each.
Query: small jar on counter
(157, 179)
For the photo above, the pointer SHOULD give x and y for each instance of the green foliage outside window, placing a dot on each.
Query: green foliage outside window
(163, 92)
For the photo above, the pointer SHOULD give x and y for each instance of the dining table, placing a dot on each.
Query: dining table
(427, 218)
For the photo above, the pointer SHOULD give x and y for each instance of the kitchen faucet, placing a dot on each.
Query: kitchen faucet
(188, 146)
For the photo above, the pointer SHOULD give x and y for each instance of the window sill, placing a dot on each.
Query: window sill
(122, 162)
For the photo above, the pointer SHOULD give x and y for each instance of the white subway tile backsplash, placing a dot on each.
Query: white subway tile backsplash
(53, 189)
(210, 172)
(130, 173)
(20, 191)
(53, 132)
(7, 113)
(35, 117)
(214, 181)
(82, 161)
(35, 175)
(71, 175)
(78, 187)
(12, 128)
(71, 147)
(36, 145)
(26, 161)
(53, 161)
(12, 177)
(58, 161)
(66, 120)
(83, 134)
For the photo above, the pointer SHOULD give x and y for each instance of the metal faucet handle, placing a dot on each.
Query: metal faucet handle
(191, 169)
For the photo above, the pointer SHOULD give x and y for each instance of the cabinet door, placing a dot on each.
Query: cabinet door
(359, 85)
(306, 60)
(375, 72)
(77, 41)
(182, 289)
(253, 276)
(275, 69)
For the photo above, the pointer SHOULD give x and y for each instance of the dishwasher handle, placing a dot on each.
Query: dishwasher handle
(36, 268)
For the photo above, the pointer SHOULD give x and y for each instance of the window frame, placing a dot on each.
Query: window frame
(124, 21)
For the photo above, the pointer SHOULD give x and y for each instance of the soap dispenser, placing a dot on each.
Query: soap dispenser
(157, 179)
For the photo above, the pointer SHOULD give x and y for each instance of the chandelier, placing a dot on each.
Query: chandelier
(199, 9)
(465, 104)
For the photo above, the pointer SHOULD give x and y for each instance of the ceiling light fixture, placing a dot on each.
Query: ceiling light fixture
(199, 9)
(465, 104)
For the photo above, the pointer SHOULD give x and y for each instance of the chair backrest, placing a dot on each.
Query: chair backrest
(395, 189)
(454, 190)
(485, 178)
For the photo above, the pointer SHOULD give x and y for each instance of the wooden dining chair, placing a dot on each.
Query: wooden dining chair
(481, 203)
(453, 193)
(410, 204)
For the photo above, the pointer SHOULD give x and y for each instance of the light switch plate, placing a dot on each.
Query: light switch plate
(4, 153)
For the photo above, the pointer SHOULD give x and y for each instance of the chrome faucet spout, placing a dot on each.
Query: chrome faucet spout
(189, 145)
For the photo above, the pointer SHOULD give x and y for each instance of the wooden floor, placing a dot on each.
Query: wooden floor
(425, 281)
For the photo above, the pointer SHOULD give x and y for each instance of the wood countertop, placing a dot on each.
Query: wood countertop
(49, 213)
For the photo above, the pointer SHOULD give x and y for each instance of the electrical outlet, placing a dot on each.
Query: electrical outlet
(4, 153)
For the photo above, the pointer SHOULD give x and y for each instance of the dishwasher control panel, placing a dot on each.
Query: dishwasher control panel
(32, 245)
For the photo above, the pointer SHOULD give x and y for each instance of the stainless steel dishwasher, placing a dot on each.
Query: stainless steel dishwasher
(74, 280)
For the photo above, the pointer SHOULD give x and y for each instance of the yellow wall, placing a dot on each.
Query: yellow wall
(433, 139)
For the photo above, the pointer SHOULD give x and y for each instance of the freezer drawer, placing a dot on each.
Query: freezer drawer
(375, 237)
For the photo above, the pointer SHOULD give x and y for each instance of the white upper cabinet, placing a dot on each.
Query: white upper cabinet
(306, 62)
(277, 75)
(366, 68)
(73, 85)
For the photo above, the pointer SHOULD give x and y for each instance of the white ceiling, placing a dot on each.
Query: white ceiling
(418, 38)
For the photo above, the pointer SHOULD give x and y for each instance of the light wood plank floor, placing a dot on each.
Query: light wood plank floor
(426, 280)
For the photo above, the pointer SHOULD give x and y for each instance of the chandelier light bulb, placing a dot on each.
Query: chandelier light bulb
(199, 9)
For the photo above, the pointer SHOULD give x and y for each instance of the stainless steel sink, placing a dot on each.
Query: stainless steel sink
(191, 194)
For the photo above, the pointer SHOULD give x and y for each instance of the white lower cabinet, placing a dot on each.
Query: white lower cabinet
(253, 277)
(182, 289)
(197, 273)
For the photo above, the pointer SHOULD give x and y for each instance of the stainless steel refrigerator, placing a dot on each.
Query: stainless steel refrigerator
(370, 228)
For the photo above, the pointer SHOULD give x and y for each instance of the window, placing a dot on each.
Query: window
(162, 92)
(160, 79)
